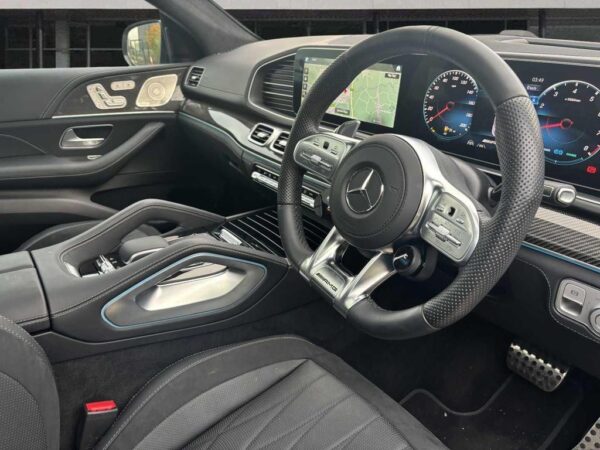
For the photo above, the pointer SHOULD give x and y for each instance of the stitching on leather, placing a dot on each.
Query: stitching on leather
(231, 418)
(280, 406)
(319, 417)
(316, 417)
(350, 437)
(550, 308)
(181, 371)
(372, 405)
(38, 350)
(232, 425)
(134, 212)
(32, 319)
(44, 234)
(285, 406)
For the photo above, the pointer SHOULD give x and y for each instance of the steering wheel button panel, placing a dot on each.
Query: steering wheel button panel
(448, 228)
(321, 153)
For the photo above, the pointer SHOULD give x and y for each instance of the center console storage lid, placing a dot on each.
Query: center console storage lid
(21, 295)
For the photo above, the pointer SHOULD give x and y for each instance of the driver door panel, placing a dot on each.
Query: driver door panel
(68, 157)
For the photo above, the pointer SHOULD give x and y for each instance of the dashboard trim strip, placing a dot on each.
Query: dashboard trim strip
(560, 256)
(129, 113)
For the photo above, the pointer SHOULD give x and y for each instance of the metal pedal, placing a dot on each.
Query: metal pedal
(537, 367)
(591, 440)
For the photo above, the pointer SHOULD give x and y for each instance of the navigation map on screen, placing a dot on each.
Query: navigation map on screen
(372, 97)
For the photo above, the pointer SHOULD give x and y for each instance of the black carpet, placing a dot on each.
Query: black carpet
(516, 416)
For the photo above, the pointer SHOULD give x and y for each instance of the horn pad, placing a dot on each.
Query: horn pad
(376, 191)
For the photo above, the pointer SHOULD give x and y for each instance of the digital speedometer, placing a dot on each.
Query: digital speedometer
(569, 114)
(449, 103)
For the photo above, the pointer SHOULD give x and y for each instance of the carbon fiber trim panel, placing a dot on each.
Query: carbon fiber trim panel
(567, 235)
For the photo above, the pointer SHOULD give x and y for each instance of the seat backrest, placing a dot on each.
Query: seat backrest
(29, 413)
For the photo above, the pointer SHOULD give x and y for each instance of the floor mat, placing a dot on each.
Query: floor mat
(516, 416)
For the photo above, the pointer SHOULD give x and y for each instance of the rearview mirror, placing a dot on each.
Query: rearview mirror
(142, 43)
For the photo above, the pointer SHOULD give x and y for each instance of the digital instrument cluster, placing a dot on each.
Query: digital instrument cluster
(447, 107)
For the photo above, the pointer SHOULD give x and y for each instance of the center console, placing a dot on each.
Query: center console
(110, 286)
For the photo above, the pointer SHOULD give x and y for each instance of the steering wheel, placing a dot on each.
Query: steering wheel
(390, 189)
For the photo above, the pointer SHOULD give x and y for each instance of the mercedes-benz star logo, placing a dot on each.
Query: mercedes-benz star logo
(364, 190)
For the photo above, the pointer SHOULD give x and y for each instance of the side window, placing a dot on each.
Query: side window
(40, 40)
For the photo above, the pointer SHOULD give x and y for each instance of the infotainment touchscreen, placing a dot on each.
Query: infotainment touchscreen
(372, 97)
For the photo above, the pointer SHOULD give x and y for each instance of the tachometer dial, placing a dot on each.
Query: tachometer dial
(449, 103)
(569, 114)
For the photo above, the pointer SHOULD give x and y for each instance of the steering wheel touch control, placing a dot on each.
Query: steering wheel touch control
(321, 153)
(389, 191)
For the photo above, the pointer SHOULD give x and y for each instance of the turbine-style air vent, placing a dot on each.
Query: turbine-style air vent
(194, 76)
(261, 134)
(278, 86)
(280, 142)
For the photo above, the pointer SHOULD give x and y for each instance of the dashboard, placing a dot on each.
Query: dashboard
(240, 111)
(428, 98)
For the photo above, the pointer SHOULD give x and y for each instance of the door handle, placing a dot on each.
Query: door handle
(70, 140)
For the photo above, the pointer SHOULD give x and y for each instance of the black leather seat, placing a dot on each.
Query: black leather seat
(62, 232)
(278, 392)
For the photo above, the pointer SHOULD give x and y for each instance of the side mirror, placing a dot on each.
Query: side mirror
(142, 43)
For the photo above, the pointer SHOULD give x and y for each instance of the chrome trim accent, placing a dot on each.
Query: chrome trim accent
(268, 141)
(588, 199)
(156, 277)
(70, 141)
(141, 254)
(168, 84)
(322, 269)
(200, 284)
(279, 152)
(274, 185)
(434, 186)
(363, 191)
(124, 113)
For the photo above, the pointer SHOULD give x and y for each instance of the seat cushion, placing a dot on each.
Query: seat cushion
(29, 417)
(278, 392)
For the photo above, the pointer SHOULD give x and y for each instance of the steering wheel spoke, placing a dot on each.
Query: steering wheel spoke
(323, 269)
(321, 153)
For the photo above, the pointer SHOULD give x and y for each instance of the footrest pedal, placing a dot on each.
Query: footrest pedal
(591, 440)
(544, 371)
